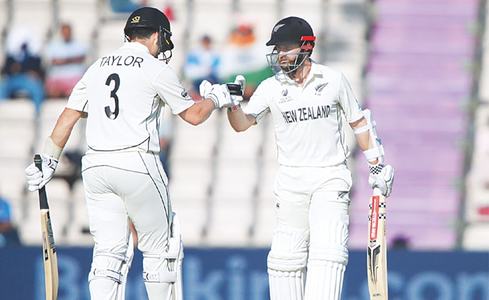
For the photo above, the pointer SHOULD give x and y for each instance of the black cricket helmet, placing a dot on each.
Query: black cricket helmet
(152, 18)
(291, 31)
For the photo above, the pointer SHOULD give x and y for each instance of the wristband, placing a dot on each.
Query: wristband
(51, 149)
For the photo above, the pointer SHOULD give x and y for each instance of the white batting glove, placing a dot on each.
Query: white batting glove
(37, 179)
(218, 93)
(242, 82)
(381, 177)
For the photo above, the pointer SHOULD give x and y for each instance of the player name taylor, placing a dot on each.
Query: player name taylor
(119, 60)
(307, 113)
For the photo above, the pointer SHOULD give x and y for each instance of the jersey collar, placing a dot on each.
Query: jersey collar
(136, 46)
(314, 73)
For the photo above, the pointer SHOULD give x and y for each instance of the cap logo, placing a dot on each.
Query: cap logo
(135, 19)
(276, 28)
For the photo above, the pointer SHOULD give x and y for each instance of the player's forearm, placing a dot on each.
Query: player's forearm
(199, 112)
(239, 120)
(62, 130)
(363, 139)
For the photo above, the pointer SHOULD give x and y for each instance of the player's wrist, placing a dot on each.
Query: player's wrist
(234, 108)
(51, 149)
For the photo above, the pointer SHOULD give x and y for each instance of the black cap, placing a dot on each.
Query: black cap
(291, 30)
(148, 17)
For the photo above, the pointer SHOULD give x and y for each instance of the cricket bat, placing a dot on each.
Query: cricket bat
(377, 248)
(48, 248)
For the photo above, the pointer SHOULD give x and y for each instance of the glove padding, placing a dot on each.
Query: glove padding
(218, 93)
(37, 179)
(242, 82)
(381, 177)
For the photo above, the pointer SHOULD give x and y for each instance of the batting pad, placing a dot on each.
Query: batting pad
(324, 279)
(286, 285)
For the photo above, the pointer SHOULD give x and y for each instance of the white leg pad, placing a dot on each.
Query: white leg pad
(162, 272)
(287, 263)
(325, 272)
(105, 276)
(286, 285)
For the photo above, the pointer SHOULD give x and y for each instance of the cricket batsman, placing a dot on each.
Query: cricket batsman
(122, 94)
(309, 251)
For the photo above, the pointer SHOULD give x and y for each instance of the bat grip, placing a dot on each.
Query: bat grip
(43, 200)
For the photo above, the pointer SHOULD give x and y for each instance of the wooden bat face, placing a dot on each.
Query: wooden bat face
(377, 249)
(49, 256)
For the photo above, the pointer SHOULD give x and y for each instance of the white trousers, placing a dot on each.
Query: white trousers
(119, 186)
(309, 252)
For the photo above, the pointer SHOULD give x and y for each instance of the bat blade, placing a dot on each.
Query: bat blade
(377, 248)
(50, 259)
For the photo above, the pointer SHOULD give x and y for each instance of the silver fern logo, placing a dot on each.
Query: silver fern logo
(276, 28)
(319, 88)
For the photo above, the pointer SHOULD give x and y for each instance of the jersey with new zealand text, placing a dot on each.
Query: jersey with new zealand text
(308, 119)
(123, 93)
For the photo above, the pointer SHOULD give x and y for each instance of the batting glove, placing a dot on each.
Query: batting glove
(37, 179)
(381, 177)
(218, 93)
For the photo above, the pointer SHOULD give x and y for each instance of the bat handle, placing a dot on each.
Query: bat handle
(43, 199)
(38, 162)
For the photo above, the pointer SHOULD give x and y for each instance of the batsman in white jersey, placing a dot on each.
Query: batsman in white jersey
(122, 95)
(309, 251)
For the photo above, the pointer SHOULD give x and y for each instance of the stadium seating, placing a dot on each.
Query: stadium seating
(221, 185)
(418, 86)
(477, 180)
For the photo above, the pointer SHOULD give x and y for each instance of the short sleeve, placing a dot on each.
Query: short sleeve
(258, 104)
(171, 91)
(78, 99)
(348, 101)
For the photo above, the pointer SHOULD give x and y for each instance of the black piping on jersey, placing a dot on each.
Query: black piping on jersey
(109, 166)
(125, 148)
(146, 125)
(340, 127)
(85, 105)
(169, 216)
(260, 114)
(159, 193)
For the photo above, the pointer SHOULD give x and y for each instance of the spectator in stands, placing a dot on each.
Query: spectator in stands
(66, 63)
(244, 55)
(8, 233)
(126, 6)
(22, 71)
(202, 63)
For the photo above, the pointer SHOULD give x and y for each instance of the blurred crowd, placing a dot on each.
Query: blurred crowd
(39, 70)
(36, 73)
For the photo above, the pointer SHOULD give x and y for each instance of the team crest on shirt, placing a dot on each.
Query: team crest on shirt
(285, 96)
(185, 94)
(319, 88)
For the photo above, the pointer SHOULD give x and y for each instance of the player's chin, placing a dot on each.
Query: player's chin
(284, 65)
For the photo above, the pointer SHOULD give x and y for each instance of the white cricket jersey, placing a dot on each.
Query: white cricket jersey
(307, 119)
(123, 93)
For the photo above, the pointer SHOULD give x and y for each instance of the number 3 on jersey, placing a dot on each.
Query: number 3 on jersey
(113, 94)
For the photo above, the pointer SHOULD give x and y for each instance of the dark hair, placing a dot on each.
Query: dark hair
(141, 33)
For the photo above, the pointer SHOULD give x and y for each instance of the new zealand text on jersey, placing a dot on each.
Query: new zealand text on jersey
(120, 60)
(306, 113)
